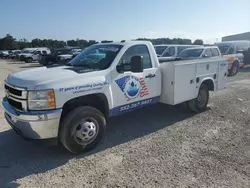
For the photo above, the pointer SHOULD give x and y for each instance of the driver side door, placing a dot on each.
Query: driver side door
(133, 90)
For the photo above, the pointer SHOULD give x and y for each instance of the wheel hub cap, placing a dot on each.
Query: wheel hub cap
(85, 132)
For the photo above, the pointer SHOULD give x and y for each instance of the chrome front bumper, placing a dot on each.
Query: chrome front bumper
(33, 125)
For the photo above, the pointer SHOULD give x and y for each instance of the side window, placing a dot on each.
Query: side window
(44, 52)
(208, 52)
(170, 52)
(140, 50)
(181, 48)
(238, 47)
(215, 52)
(231, 50)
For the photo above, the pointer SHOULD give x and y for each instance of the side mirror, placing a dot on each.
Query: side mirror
(204, 55)
(136, 64)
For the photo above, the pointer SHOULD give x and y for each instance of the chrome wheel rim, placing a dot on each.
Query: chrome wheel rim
(86, 131)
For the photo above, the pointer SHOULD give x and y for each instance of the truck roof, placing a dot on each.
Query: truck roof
(126, 42)
(176, 45)
(202, 47)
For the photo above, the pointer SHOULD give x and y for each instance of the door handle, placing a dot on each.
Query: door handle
(150, 75)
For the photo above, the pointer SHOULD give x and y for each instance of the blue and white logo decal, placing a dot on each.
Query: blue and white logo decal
(132, 87)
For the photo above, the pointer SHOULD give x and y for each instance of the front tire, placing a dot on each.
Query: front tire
(199, 104)
(82, 129)
(21, 58)
(28, 60)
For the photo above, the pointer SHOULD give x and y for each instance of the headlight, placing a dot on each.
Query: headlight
(41, 100)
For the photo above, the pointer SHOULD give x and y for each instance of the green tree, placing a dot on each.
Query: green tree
(8, 43)
(198, 42)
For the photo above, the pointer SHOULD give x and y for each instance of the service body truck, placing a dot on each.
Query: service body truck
(71, 103)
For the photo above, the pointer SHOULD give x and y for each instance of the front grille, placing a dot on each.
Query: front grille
(13, 90)
(15, 104)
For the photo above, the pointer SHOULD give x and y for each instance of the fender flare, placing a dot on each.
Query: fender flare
(209, 82)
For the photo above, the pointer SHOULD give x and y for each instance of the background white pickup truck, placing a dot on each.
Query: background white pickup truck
(71, 103)
(167, 52)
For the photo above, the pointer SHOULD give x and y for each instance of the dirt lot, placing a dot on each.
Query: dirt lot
(161, 146)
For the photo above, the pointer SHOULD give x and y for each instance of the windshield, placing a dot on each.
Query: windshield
(223, 48)
(160, 49)
(190, 53)
(97, 56)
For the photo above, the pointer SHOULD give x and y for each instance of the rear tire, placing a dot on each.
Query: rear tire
(82, 129)
(235, 69)
(199, 104)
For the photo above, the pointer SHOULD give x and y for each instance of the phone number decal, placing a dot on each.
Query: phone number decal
(135, 105)
(132, 106)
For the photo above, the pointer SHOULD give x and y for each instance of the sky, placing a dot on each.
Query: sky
(124, 19)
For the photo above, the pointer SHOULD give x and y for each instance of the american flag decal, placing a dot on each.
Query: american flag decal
(124, 80)
(144, 89)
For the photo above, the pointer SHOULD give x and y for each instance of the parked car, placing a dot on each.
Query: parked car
(58, 56)
(21, 56)
(196, 53)
(233, 50)
(36, 55)
(14, 53)
(4, 54)
(170, 51)
(72, 103)
(199, 52)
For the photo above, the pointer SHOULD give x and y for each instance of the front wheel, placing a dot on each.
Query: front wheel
(82, 129)
(199, 104)
(28, 60)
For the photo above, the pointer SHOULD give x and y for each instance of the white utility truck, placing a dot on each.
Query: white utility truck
(71, 103)
(36, 54)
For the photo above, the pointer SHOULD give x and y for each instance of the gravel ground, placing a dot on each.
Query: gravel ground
(160, 146)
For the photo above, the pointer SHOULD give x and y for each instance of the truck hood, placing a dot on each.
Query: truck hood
(29, 79)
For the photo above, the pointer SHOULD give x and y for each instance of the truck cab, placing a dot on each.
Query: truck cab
(72, 103)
